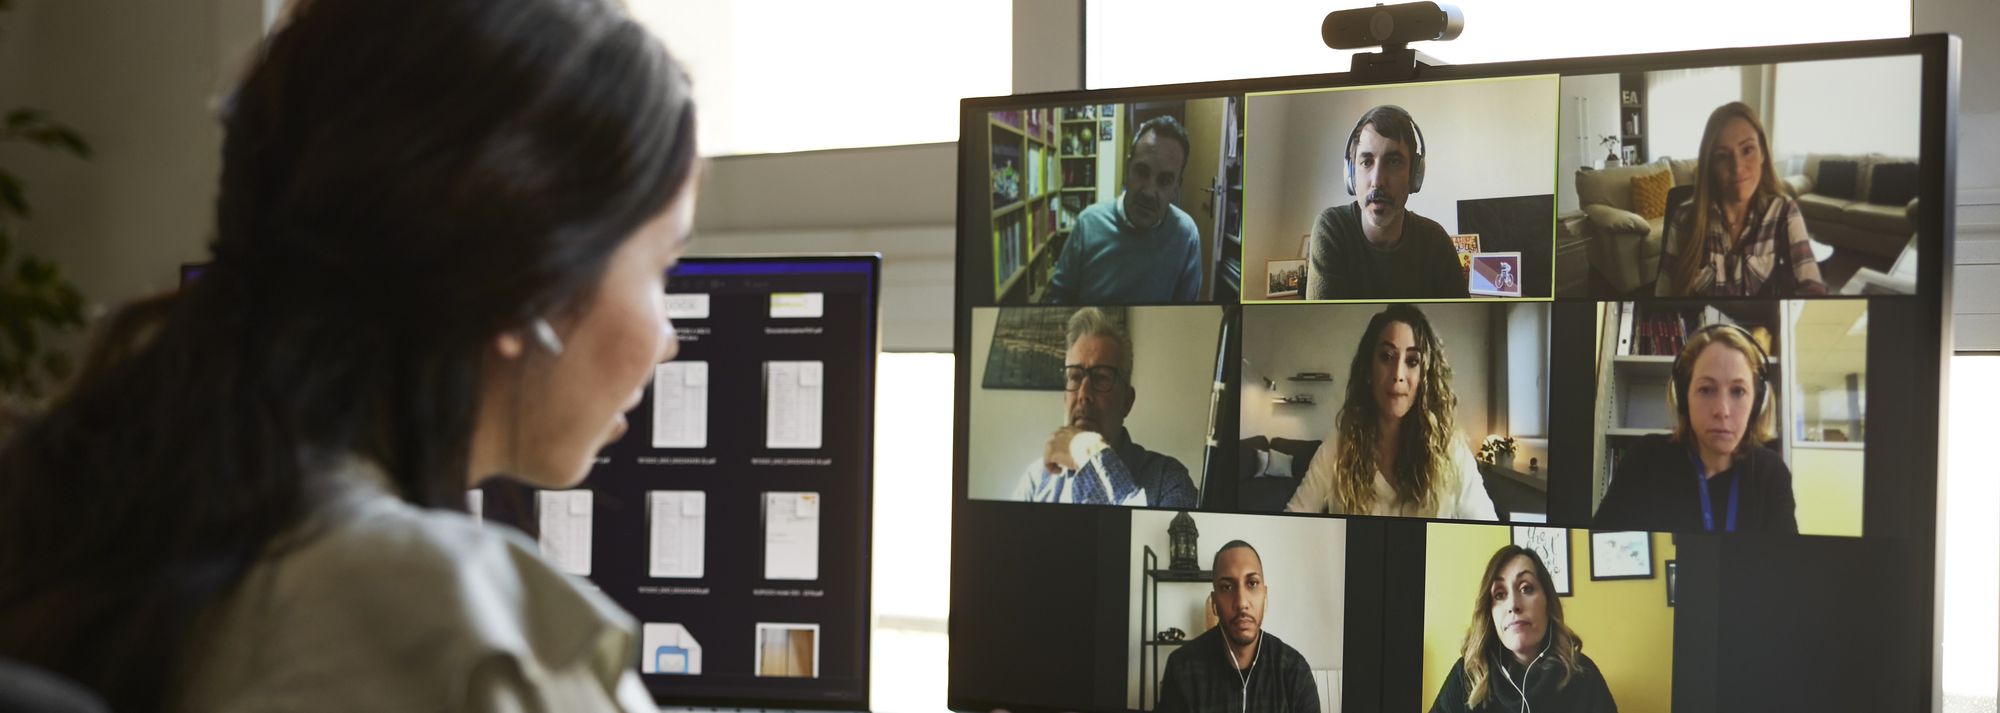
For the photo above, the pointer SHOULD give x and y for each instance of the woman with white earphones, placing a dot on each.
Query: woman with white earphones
(1519, 654)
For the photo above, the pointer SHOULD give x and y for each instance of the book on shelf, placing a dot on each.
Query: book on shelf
(1006, 174)
(1035, 185)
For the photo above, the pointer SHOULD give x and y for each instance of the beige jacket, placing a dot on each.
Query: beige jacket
(384, 606)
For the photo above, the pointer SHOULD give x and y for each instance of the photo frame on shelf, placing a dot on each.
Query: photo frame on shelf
(1495, 275)
(1621, 555)
(1552, 545)
(1287, 279)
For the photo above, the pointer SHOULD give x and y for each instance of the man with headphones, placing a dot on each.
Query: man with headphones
(1714, 473)
(1139, 247)
(1374, 247)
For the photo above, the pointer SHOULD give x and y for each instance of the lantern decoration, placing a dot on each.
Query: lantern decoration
(1181, 535)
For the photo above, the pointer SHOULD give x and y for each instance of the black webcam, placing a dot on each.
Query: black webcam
(1391, 26)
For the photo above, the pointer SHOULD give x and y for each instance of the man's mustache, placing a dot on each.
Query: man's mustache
(1377, 194)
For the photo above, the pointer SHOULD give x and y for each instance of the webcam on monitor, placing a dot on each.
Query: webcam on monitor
(1393, 28)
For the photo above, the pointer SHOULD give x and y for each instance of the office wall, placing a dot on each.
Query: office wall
(1173, 365)
(1590, 109)
(1626, 626)
(1827, 487)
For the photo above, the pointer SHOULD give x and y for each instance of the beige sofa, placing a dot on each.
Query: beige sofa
(1854, 223)
(1622, 246)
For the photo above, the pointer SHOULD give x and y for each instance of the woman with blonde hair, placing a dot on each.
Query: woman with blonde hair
(1741, 235)
(1519, 653)
(1714, 473)
(1394, 450)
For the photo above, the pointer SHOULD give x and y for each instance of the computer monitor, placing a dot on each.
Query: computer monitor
(733, 518)
(1648, 347)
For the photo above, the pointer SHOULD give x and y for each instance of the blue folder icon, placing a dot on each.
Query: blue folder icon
(670, 659)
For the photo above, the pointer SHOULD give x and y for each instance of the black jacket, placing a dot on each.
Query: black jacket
(1653, 487)
(1544, 691)
(1201, 677)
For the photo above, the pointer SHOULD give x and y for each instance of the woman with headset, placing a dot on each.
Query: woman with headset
(1394, 449)
(1519, 654)
(441, 237)
(1713, 474)
(1741, 235)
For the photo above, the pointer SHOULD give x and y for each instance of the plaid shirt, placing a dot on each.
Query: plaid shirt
(1742, 269)
(1201, 677)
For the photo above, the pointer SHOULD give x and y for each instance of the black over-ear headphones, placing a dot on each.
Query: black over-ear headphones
(1370, 116)
(1684, 373)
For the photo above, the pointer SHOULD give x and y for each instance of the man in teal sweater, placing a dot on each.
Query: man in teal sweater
(1138, 248)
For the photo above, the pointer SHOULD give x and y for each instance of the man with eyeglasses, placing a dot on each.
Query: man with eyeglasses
(1138, 248)
(1092, 459)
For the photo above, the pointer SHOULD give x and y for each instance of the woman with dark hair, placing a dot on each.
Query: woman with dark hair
(1519, 654)
(441, 237)
(1741, 235)
(1394, 449)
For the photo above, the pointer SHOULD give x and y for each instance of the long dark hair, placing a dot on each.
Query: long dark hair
(401, 182)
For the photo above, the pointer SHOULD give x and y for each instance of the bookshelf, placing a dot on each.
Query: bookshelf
(1042, 173)
(1632, 118)
(1635, 371)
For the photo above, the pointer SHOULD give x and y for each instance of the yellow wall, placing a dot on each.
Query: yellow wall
(1826, 483)
(1625, 624)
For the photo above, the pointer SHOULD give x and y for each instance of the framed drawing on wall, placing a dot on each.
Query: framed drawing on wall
(1552, 545)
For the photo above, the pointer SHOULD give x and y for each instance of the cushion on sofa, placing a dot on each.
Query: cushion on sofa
(1300, 451)
(1248, 463)
(1838, 179)
(1890, 220)
(1892, 184)
(1818, 206)
(1649, 193)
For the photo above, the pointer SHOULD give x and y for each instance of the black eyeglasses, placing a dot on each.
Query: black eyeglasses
(1102, 378)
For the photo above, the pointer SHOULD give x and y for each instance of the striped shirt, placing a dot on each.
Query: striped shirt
(1742, 269)
(1125, 474)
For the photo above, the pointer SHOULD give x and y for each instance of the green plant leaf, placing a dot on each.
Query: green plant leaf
(22, 118)
(13, 198)
(61, 138)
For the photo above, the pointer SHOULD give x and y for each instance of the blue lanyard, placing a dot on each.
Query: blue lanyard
(1707, 510)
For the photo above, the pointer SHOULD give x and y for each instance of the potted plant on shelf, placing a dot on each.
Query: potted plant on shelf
(1497, 450)
(1610, 142)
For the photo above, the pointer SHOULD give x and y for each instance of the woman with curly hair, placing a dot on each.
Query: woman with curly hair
(1519, 653)
(1394, 450)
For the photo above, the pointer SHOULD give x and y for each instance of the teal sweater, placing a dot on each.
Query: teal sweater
(1109, 261)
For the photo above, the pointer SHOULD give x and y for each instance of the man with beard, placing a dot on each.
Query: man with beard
(1375, 248)
(1237, 666)
(1138, 248)
(1091, 458)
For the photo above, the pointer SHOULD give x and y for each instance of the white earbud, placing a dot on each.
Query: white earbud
(545, 335)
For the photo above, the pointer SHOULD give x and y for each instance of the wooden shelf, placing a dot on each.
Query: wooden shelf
(1636, 432)
(1182, 575)
(1009, 208)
